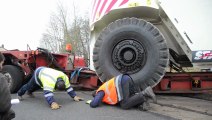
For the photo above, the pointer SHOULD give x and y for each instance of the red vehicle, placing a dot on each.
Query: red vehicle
(20, 65)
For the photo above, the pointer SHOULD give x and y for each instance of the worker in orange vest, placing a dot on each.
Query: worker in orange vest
(122, 90)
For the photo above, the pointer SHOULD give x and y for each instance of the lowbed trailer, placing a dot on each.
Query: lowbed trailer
(20, 65)
(195, 82)
(23, 63)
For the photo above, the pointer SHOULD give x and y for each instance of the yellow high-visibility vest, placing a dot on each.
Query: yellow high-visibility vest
(49, 76)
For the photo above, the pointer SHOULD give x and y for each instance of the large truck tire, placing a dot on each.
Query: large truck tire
(14, 76)
(133, 46)
(4, 94)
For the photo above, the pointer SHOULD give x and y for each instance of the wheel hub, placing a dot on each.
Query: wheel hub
(128, 56)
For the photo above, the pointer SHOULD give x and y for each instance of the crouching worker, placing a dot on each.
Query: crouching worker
(48, 79)
(121, 90)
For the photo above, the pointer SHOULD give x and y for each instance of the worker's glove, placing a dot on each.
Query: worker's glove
(55, 106)
(88, 102)
(76, 98)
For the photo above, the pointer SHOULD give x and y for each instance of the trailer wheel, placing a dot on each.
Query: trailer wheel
(131, 46)
(14, 77)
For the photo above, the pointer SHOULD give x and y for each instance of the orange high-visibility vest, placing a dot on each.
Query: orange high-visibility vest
(109, 89)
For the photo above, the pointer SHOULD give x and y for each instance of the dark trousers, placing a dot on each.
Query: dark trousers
(130, 96)
(31, 86)
(7, 115)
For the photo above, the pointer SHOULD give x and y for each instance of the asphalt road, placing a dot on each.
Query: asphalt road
(38, 109)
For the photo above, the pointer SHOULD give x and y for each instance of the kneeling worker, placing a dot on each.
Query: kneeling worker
(48, 79)
(121, 89)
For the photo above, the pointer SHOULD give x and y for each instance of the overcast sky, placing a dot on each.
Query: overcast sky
(22, 22)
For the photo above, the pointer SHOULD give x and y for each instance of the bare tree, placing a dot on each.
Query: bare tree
(61, 31)
(82, 37)
(80, 34)
(53, 38)
(57, 34)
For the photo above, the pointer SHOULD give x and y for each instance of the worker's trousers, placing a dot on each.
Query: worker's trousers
(31, 86)
(130, 97)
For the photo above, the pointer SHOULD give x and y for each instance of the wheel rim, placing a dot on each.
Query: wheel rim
(129, 56)
(9, 79)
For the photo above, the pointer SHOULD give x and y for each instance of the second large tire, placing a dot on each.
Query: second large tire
(133, 46)
(15, 77)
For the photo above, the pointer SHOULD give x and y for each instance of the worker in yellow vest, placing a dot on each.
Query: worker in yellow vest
(48, 79)
(122, 90)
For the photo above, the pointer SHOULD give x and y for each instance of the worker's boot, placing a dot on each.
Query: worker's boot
(20, 97)
(145, 106)
(30, 94)
(148, 92)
